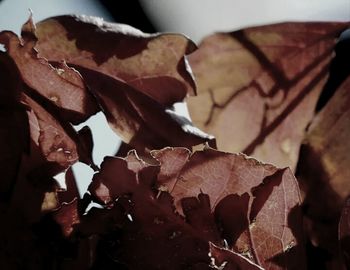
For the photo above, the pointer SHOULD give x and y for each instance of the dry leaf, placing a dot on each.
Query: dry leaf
(212, 196)
(258, 87)
(152, 64)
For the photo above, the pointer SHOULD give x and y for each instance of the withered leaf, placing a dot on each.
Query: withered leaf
(221, 174)
(70, 191)
(258, 87)
(209, 192)
(272, 245)
(327, 142)
(172, 209)
(153, 64)
(172, 160)
(324, 170)
(103, 186)
(67, 217)
(61, 86)
(57, 97)
(136, 77)
(139, 120)
(25, 176)
(231, 214)
(153, 233)
(46, 143)
(56, 145)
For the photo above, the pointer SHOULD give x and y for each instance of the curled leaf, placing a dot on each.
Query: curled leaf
(152, 64)
(136, 77)
(61, 86)
(139, 120)
(56, 145)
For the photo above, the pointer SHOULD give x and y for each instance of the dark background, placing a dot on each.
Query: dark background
(129, 12)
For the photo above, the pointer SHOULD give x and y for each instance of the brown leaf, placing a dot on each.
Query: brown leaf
(26, 186)
(136, 80)
(327, 140)
(172, 161)
(42, 90)
(61, 86)
(71, 190)
(152, 64)
(56, 145)
(103, 186)
(67, 217)
(85, 146)
(153, 233)
(223, 197)
(258, 87)
(231, 214)
(324, 168)
(271, 244)
(221, 174)
(139, 120)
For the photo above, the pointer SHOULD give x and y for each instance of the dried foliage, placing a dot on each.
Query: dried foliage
(274, 92)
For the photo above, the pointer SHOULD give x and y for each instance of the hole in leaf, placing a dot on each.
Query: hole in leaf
(106, 143)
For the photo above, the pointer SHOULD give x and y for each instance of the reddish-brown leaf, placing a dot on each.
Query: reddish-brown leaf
(70, 191)
(258, 87)
(103, 185)
(271, 244)
(67, 217)
(324, 170)
(85, 146)
(172, 160)
(61, 86)
(231, 214)
(327, 142)
(153, 236)
(152, 64)
(57, 96)
(136, 77)
(221, 174)
(139, 120)
(56, 145)
(223, 197)
(25, 184)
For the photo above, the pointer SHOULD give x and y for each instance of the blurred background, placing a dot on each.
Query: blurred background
(14, 12)
(194, 18)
